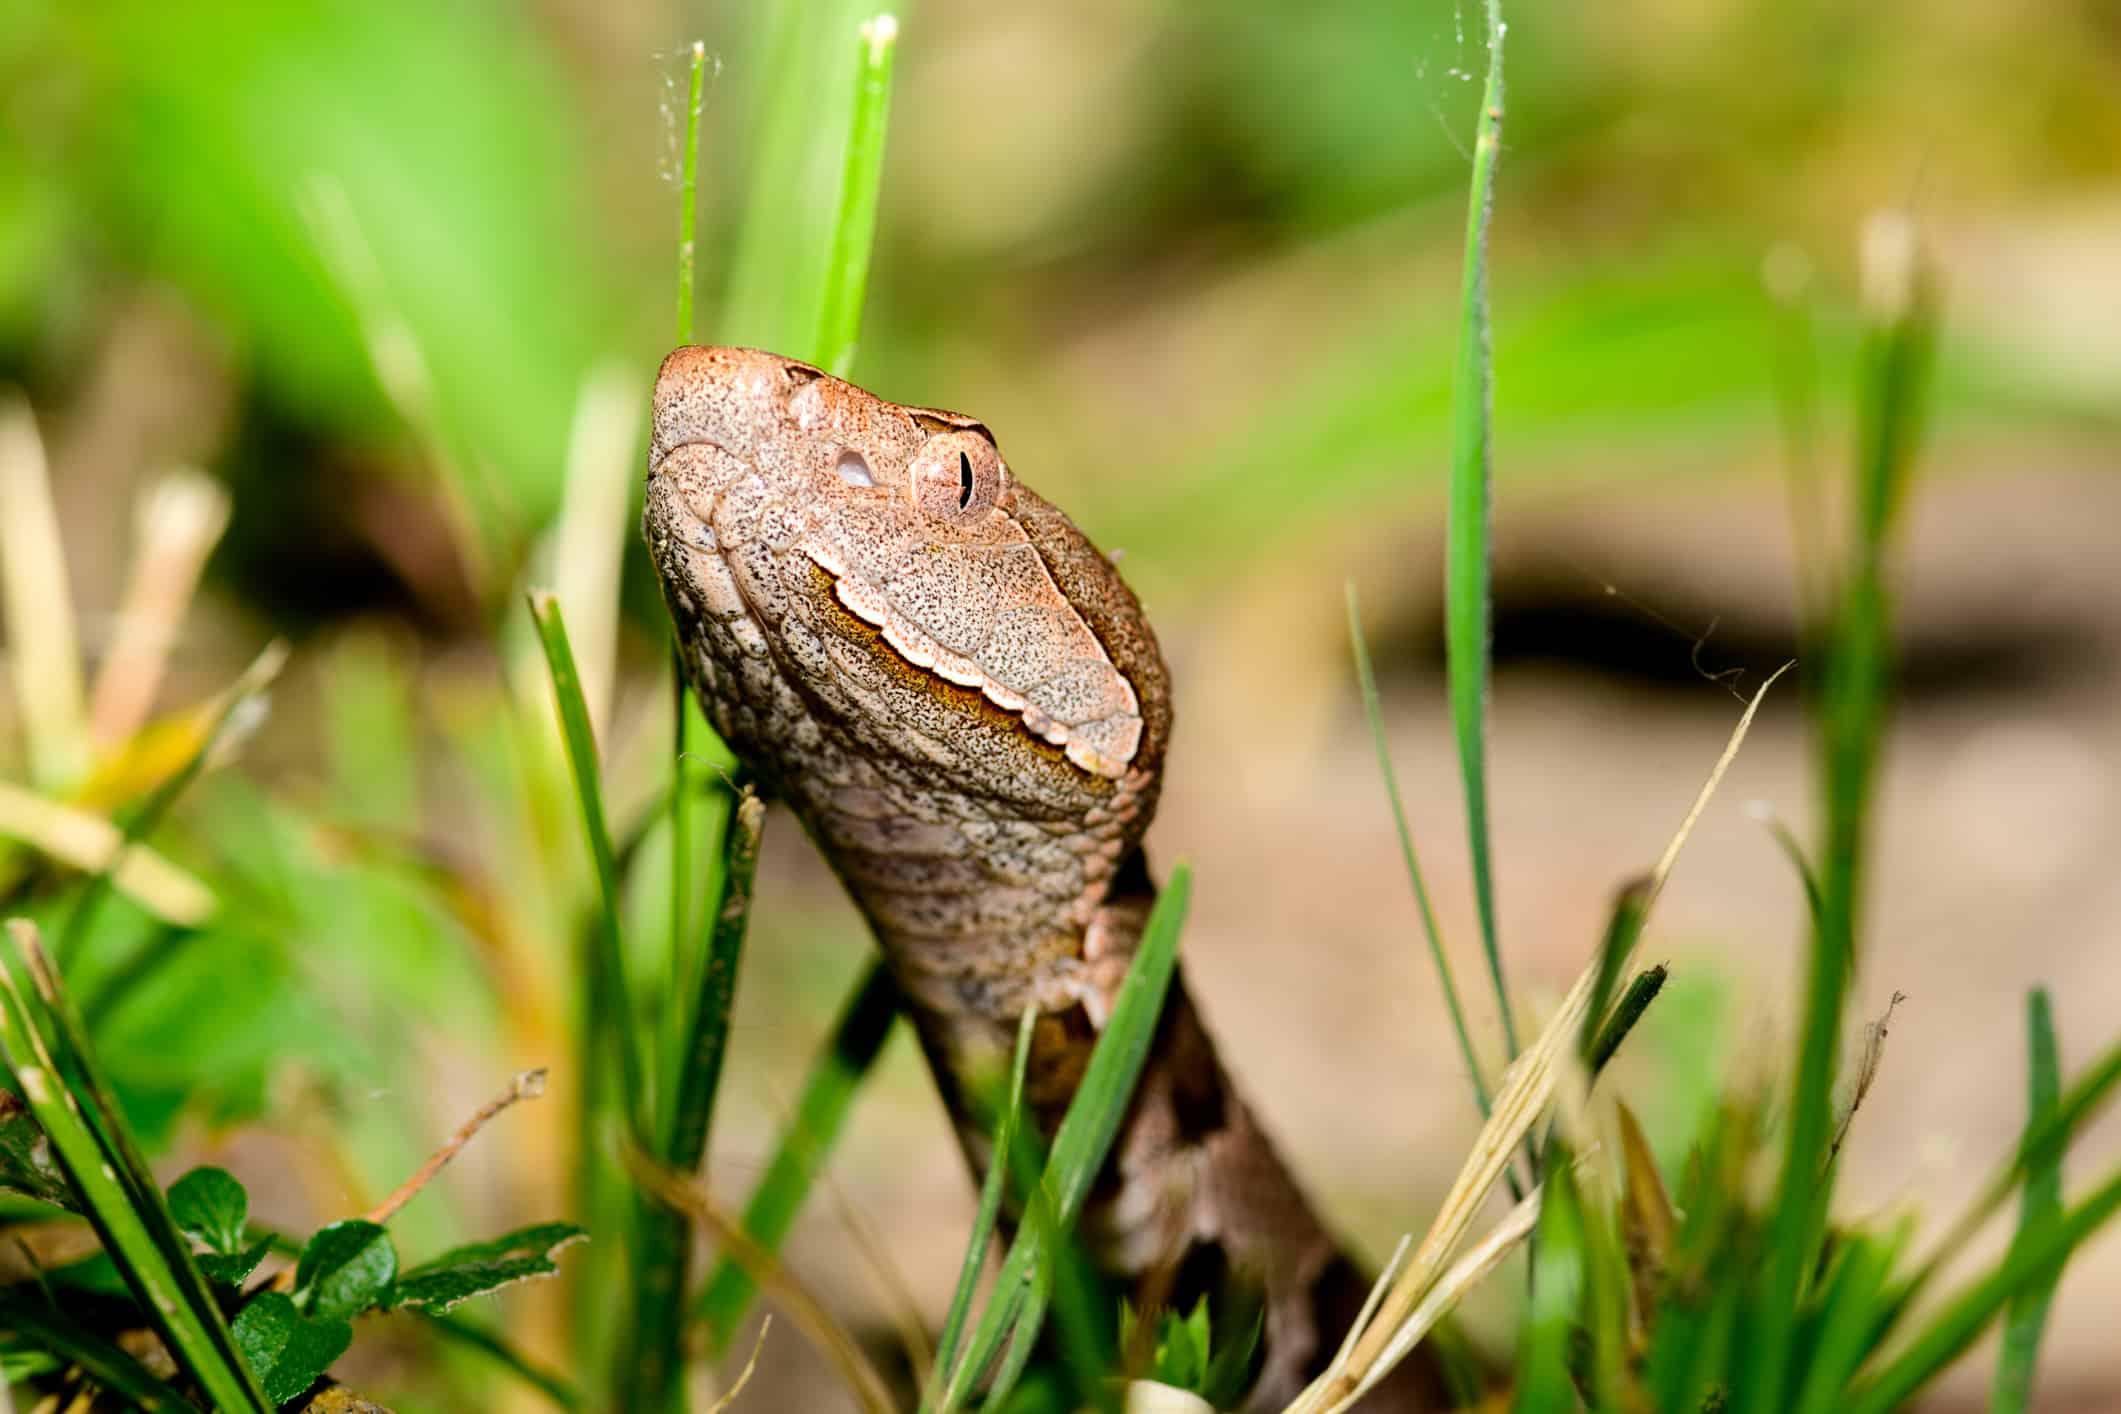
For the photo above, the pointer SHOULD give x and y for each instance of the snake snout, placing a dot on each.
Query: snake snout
(733, 398)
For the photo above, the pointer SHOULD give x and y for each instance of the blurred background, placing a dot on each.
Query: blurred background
(358, 303)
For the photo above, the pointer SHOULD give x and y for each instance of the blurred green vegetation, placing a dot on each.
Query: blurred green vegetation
(1186, 258)
(1196, 264)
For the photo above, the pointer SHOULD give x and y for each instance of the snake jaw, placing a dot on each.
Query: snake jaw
(862, 600)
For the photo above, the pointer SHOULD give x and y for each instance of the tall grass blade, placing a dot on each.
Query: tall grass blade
(2028, 1265)
(773, 289)
(2043, 1143)
(1064, 1285)
(655, 1365)
(1814, 901)
(1850, 703)
(1527, 1087)
(1467, 550)
(681, 781)
(610, 1012)
(990, 1207)
(613, 1081)
(2041, 1206)
(854, 229)
(1847, 1318)
(1559, 1283)
(699, 1063)
(41, 1042)
(1085, 1135)
(1373, 708)
(857, 1038)
(689, 189)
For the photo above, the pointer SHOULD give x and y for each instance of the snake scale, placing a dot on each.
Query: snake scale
(965, 706)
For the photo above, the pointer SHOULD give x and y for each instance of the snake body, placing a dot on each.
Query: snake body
(964, 704)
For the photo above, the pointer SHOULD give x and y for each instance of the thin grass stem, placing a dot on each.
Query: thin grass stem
(609, 1008)
(1374, 709)
(2040, 1206)
(1467, 566)
(689, 188)
(990, 1206)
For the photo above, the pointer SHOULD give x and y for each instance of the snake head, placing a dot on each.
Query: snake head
(923, 532)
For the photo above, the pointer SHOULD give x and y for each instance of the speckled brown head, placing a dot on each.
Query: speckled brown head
(774, 488)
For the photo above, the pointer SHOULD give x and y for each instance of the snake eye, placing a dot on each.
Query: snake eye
(956, 476)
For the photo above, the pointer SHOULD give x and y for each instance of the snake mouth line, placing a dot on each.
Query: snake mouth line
(919, 651)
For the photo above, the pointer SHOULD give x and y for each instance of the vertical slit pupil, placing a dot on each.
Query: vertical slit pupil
(964, 481)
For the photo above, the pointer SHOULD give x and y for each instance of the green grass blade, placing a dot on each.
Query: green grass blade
(1850, 703)
(775, 282)
(1374, 709)
(654, 1364)
(700, 1062)
(2041, 1206)
(1544, 1382)
(857, 1038)
(689, 195)
(1626, 1012)
(1623, 927)
(1086, 1131)
(1847, 1321)
(1030, 1314)
(990, 1207)
(1064, 1284)
(854, 231)
(610, 1012)
(39, 1041)
(681, 792)
(1467, 552)
(2028, 1265)
(101, 1361)
(682, 957)
(1814, 901)
(2042, 1144)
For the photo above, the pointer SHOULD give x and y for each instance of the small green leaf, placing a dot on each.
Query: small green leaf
(209, 1204)
(481, 1267)
(234, 1268)
(26, 1163)
(346, 1268)
(287, 1349)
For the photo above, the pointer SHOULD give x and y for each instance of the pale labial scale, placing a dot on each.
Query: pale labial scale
(976, 606)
